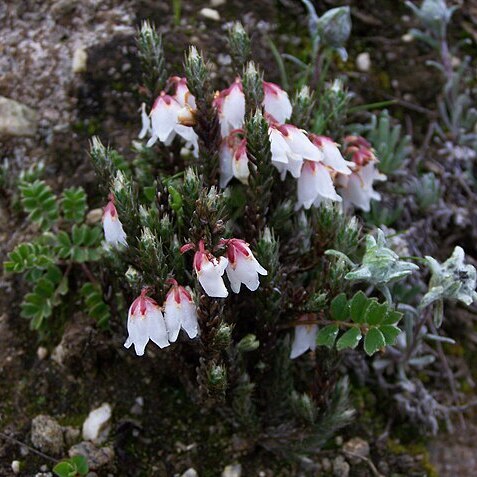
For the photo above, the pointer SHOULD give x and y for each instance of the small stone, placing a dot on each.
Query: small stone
(217, 3)
(407, 38)
(42, 353)
(80, 60)
(96, 456)
(71, 435)
(224, 59)
(96, 425)
(341, 468)
(339, 440)
(16, 466)
(363, 62)
(17, 119)
(234, 470)
(47, 435)
(137, 407)
(356, 449)
(326, 464)
(94, 216)
(190, 473)
(210, 14)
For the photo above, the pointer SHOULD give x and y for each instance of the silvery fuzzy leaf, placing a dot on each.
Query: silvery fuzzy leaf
(451, 280)
(380, 264)
(334, 26)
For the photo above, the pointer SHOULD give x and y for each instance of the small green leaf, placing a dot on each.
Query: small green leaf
(373, 341)
(74, 204)
(81, 464)
(390, 333)
(392, 317)
(339, 307)
(327, 336)
(375, 313)
(64, 469)
(350, 339)
(358, 307)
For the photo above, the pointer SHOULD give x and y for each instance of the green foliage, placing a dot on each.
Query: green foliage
(39, 202)
(74, 204)
(76, 466)
(360, 316)
(427, 191)
(95, 305)
(390, 145)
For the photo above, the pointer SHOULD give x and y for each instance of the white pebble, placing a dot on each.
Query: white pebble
(80, 60)
(363, 62)
(16, 466)
(210, 14)
(96, 425)
(41, 352)
(216, 3)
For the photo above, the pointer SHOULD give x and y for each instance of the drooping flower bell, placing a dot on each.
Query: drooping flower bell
(331, 154)
(290, 147)
(233, 159)
(276, 102)
(230, 104)
(242, 266)
(113, 228)
(173, 115)
(145, 322)
(315, 184)
(209, 270)
(357, 188)
(304, 339)
(180, 312)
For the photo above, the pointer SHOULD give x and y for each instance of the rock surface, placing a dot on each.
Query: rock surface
(47, 435)
(17, 119)
(97, 457)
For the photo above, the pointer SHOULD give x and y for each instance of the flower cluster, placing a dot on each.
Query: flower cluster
(239, 264)
(148, 321)
(315, 161)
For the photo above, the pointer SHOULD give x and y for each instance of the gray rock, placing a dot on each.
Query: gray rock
(71, 435)
(234, 470)
(97, 457)
(16, 119)
(341, 468)
(356, 449)
(47, 435)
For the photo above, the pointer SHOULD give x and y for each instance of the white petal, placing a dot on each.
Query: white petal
(138, 334)
(113, 230)
(278, 146)
(246, 271)
(277, 104)
(241, 170)
(301, 145)
(157, 327)
(210, 277)
(189, 319)
(232, 111)
(164, 118)
(172, 317)
(324, 183)
(226, 167)
(304, 339)
(334, 159)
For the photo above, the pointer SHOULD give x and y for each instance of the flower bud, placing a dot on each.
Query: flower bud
(334, 27)
(248, 343)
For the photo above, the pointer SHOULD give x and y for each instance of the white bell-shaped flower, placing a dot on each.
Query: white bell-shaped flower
(180, 312)
(113, 228)
(145, 322)
(210, 270)
(276, 102)
(243, 267)
(315, 184)
(173, 115)
(230, 104)
(331, 154)
(233, 160)
(290, 146)
(357, 188)
(304, 340)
